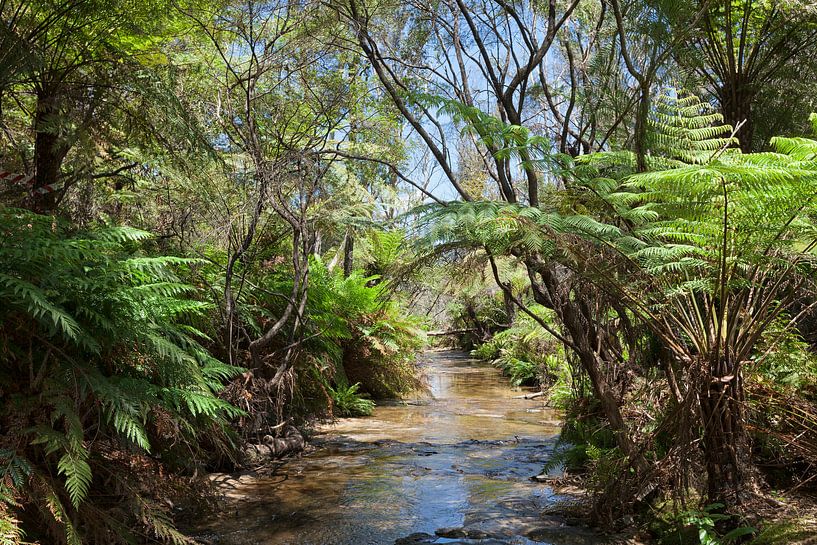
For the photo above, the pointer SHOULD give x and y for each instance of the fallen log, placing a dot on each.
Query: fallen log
(460, 331)
(534, 395)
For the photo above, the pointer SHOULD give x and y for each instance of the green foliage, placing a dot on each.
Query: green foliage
(781, 412)
(387, 252)
(686, 130)
(469, 302)
(346, 401)
(782, 533)
(505, 141)
(528, 354)
(364, 330)
(699, 526)
(114, 367)
(586, 445)
(784, 358)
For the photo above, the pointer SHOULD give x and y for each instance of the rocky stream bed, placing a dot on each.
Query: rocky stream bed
(453, 466)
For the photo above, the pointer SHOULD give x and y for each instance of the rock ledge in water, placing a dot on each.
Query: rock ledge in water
(416, 538)
(469, 537)
(558, 530)
(274, 447)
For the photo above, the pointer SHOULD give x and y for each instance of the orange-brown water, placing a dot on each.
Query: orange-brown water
(460, 456)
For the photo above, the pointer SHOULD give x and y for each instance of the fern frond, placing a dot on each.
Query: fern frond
(121, 234)
(37, 304)
(161, 524)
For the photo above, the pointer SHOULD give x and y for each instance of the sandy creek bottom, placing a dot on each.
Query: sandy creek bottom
(459, 457)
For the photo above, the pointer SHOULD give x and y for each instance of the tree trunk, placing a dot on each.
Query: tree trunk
(593, 363)
(49, 151)
(348, 255)
(723, 434)
(510, 308)
(587, 342)
(641, 126)
(736, 99)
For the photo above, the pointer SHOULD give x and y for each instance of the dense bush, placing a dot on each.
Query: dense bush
(365, 333)
(104, 386)
(529, 355)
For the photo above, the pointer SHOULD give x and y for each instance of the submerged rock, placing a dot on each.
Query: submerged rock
(469, 537)
(459, 533)
(415, 539)
(555, 529)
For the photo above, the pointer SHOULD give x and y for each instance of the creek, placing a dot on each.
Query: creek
(453, 466)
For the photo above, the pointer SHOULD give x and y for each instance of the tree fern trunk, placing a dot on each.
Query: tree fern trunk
(348, 254)
(49, 151)
(724, 439)
(736, 102)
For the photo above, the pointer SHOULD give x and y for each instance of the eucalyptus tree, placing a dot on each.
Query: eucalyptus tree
(270, 120)
(305, 152)
(590, 99)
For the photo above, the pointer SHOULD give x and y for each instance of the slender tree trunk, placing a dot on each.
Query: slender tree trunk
(348, 255)
(641, 126)
(593, 363)
(318, 244)
(510, 308)
(588, 342)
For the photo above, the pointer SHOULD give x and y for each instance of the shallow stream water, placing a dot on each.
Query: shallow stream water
(457, 462)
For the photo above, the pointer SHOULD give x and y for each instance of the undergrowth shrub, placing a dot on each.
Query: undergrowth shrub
(529, 356)
(104, 385)
(354, 330)
(698, 527)
(586, 445)
(782, 406)
(366, 334)
(346, 401)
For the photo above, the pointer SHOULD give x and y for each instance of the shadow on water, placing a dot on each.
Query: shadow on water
(460, 458)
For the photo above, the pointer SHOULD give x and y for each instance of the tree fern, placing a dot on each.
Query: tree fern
(684, 129)
(706, 250)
